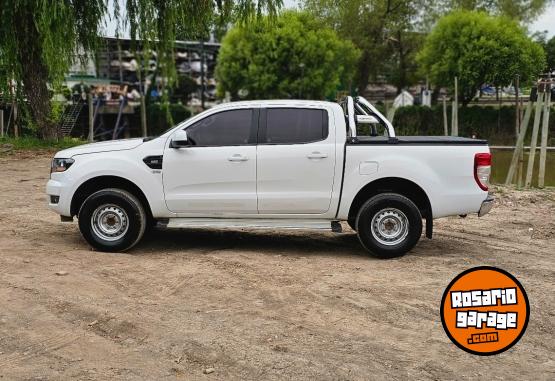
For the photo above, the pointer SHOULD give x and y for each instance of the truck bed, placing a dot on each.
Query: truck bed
(417, 140)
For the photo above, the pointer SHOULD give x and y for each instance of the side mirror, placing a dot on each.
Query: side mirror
(179, 140)
(367, 119)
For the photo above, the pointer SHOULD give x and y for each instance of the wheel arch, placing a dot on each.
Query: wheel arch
(402, 186)
(102, 182)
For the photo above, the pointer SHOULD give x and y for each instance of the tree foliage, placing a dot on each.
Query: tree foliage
(390, 32)
(39, 40)
(550, 53)
(384, 31)
(479, 49)
(520, 10)
(296, 56)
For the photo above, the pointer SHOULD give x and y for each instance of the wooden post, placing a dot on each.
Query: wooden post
(517, 108)
(91, 117)
(1, 123)
(534, 140)
(518, 127)
(445, 124)
(15, 126)
(143, 116)
(519, 144)
(120, 62)
(545, 131)
(203, 75)
(455, 111)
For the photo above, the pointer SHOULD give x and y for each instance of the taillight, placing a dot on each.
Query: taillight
(482, 170)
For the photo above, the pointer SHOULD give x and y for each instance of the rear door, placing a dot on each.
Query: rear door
(295, 161)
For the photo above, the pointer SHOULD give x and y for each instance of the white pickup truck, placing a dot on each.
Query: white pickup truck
(287, 164)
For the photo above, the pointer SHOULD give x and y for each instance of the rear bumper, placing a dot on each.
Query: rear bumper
(487, 204)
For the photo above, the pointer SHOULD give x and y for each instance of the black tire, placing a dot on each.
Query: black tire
(121, 210)
(405, 225)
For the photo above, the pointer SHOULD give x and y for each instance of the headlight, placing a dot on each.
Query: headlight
(60, 165)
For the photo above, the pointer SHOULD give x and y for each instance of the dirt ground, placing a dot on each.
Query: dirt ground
(257, 305)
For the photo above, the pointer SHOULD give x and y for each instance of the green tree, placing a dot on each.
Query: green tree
(383, 30)
(521, 10)
(296, 56)
(390, 32)
(550, 53)
(479, 49)
(39, 40)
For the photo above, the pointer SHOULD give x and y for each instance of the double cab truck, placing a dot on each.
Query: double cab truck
(280, 164)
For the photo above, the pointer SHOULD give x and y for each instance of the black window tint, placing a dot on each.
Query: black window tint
(225, 128)
(296, 125)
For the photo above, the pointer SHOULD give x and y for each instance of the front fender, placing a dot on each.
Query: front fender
(127, 165)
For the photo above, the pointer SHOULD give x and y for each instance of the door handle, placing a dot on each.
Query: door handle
(237, 157)
(317, 155)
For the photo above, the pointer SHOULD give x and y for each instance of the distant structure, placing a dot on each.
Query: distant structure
(116, 62)
(122, 72)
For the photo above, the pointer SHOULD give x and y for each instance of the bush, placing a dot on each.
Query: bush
(158, 120)
(497, 125)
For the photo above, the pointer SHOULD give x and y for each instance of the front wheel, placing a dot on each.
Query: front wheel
(389, 225)
(112, 220)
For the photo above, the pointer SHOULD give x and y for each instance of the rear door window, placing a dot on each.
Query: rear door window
(295, 125)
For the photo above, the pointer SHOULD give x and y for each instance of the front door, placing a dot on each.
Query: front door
(216, 174)
(296, 161)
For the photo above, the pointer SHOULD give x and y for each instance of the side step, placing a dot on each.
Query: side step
(252, 223)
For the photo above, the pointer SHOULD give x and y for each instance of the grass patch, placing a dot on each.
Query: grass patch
(33, 143)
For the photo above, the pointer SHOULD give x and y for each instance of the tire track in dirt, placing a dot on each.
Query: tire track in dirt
(43, 347)
(474, 237)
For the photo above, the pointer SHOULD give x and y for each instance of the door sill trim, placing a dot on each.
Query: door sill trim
(248, 223)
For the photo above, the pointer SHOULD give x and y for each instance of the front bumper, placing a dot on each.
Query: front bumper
(487, 204)
(60, 193)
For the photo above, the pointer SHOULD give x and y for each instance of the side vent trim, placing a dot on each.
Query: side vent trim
(154, 162)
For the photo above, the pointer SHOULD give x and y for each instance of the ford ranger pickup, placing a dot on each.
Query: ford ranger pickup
(280, 164)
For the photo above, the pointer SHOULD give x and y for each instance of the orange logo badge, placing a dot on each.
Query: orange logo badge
(485, 310)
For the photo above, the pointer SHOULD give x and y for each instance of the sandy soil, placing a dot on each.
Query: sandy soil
(256, 305)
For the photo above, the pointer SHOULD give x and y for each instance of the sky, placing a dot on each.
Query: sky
(545, 22)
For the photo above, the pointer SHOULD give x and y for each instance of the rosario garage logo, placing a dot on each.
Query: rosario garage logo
(485, 310)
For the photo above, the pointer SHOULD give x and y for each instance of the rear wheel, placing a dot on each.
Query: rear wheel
(389, 225)
(112, 220)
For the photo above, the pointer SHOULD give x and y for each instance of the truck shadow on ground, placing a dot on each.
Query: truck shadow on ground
(283, 242)
(258, 241)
